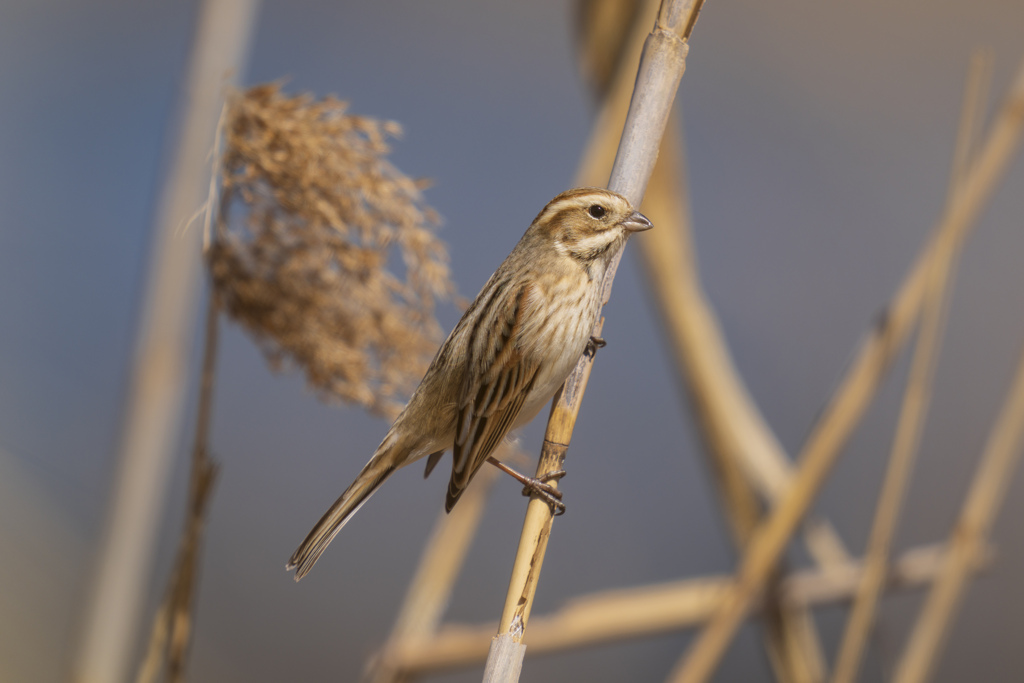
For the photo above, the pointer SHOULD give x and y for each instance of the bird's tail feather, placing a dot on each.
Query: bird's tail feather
(369, 480)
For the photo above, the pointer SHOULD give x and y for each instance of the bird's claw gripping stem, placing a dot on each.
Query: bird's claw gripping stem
(546, 491)
(595, 343)
(539, 485)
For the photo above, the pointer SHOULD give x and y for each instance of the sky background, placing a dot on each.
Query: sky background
(819, 138)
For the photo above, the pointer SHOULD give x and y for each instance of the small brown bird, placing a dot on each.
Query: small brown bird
(512, 349)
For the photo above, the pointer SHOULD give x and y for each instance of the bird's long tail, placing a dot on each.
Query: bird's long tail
(369, 480)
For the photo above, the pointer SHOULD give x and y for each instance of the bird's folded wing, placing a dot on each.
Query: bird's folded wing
(497, 384)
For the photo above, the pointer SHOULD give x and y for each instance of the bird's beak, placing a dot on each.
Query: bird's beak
(636, 222)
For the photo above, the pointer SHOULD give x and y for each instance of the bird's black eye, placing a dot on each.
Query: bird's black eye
(596, 211)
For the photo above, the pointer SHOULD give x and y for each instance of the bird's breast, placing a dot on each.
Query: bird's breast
(563, 327)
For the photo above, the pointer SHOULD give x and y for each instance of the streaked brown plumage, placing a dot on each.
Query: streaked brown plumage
(508, 354)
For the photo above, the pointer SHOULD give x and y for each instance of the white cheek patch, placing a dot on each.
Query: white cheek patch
(594, 243)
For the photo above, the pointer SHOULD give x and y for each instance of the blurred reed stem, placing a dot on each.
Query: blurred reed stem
(968, 539)
(851, 399)
(156, 386)
(638, 612)
(430, 590)
(171, 633)
(743, 447)
(730, 423)
(916, 399)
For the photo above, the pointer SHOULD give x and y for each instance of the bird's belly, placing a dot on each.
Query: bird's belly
(548, 380)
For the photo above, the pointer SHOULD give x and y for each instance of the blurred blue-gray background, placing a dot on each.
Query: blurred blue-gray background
(819, 141)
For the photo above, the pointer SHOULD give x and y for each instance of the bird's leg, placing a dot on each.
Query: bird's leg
(594, 344)
(541, 487)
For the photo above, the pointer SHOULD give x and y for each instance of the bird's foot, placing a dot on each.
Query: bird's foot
(548, 493)
(595, 343)
(531, 485)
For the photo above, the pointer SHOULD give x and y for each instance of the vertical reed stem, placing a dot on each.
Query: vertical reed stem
(157, 385)
(661, 67)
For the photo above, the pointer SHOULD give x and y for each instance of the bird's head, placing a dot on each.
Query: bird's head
(589, 224)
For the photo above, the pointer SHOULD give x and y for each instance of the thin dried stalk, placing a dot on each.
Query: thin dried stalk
(615, 615)
(790, 639)
(157, 384)
(661, 68)
(730, 423)
(429, 591)
(706, 373)
(916, 399)
(792, 644)
(850, 401)
(152, 662)
(610, 33)
(171, 632)
(507, 648)
(968, 539)
(734, 429)
(667, 183)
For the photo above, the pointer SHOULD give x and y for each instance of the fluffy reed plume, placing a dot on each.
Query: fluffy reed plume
(310, 213)
(306, 267)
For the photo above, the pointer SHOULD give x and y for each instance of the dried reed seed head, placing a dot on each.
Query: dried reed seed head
(312, 217)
